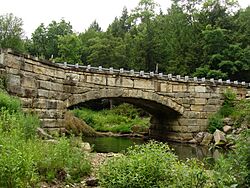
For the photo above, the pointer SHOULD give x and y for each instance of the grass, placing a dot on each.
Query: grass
(27, 160)
(120, 119)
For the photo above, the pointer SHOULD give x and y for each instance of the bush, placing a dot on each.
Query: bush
(61, 159)
(233, 170)
(9, 103)
(215, 122)
(150, 165)
(25, 159)
(227, 109)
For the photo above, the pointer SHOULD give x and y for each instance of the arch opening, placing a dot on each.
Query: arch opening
(162, 117)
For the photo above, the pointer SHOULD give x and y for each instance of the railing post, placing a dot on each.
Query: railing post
(111, 70)
(141, 73)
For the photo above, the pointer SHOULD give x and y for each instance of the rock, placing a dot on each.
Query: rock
(193, 141)
(53, 141)
(85, 146)
(227, 128)
(43, 134)
(92, 181)
(199, 137)
(207, 139)
(216, 154)
(219, 137)
(78, 126)
(227, 121)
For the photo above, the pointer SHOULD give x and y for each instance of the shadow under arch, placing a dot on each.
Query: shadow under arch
(164, 111)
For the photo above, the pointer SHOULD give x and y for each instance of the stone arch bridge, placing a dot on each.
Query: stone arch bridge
(180, 106)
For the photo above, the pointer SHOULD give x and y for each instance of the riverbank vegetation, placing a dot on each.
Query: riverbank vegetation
(26, 160)
(123, 118)
(155, 165)
(235, 111)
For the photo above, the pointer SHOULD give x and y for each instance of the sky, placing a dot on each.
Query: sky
(80, 13)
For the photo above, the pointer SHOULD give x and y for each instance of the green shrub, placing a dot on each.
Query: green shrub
(60, 159)
(233, 169)
(25, 159)
(215, 122)
(150, 165)
(9, 103)
(2, 83)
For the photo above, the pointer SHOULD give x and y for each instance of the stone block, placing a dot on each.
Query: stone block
(178, 88)
(166, 87)
(96, 79)
(219, 137)
(39, 70)
(43, 93)
(191, 89)
(29, 92)
(28, 82)
(191, 114)
(213, 101)
(56, 87)
(178, 128)
(200, 89)
(111, 81)
(193, 129)
(13, 80)
(27, 67)
(211, 108)
(60, 74)
(127, 82)
(12, 71)
(46, 85)
(144, 84)
(13, 63)
(207, 139)
(203, 95)
(200, 101)
(197, 108)
(26, 102)
(187, 122)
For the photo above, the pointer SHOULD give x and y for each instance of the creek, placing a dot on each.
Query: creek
(120, 144)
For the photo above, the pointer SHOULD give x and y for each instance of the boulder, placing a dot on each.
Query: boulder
(207, 139)
(219, 137)
(193, 141)
(199, 136)
(42, 134)
(85, 146)
(227, 121)
(92, 182)
(227, 128)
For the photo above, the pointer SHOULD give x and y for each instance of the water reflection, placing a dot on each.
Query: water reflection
(119, 144)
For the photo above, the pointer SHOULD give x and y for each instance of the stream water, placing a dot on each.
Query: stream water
(119, 144)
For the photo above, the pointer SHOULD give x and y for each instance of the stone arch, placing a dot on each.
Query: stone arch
(165, 111)
(126, 95)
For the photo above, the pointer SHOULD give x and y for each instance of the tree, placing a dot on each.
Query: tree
(120, 26)
(69, 49)
(94, 26)
(11, 32)
(45, 39)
